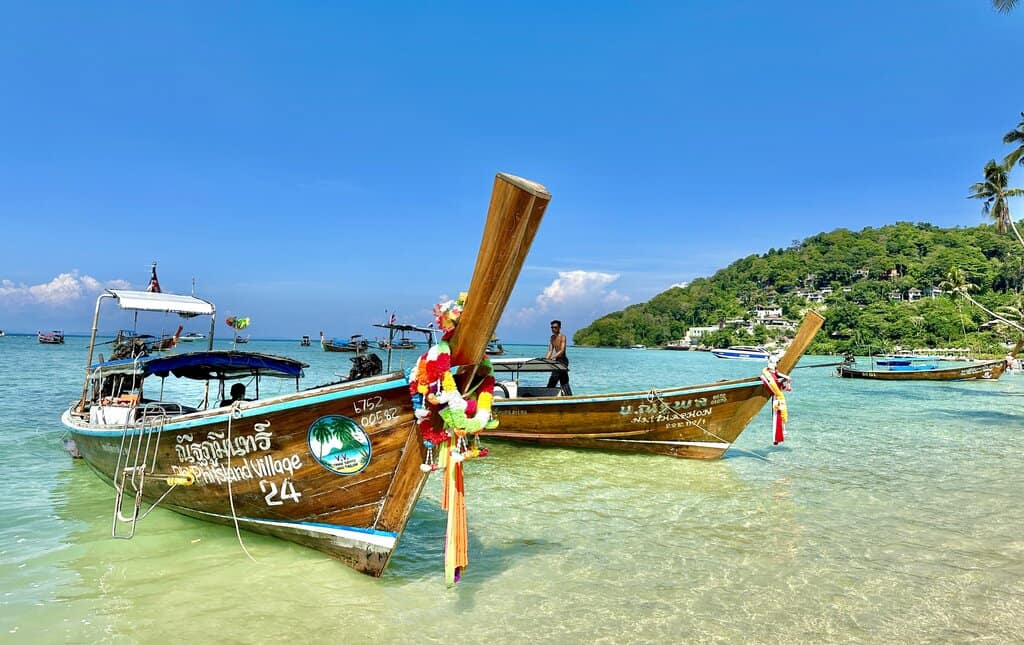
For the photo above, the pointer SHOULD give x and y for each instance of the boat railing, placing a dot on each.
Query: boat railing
(162, 409)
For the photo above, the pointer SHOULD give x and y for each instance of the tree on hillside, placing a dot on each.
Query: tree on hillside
(1015, 136)
(993, 192)
(958, 283)
(1014, 311)
(1004, 6)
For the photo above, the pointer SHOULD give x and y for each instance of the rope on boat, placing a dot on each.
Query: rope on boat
(236, 411)
(654, 395)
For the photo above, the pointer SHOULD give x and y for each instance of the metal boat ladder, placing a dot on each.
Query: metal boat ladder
(135, 460)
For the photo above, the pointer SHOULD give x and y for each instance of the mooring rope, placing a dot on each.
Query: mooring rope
(236, 410)
(655, 395)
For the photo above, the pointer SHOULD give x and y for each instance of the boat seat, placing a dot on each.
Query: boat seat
(530, 391)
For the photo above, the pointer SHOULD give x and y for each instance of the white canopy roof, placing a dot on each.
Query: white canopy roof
(165, 302)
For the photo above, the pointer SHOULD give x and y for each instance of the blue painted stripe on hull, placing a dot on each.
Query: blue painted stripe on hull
(384, 539)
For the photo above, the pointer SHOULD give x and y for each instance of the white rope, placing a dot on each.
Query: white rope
(655, 395)
(235, 409)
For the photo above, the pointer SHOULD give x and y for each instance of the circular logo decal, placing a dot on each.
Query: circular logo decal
(339, 444)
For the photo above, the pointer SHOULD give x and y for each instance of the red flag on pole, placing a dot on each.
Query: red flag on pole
(154, 284)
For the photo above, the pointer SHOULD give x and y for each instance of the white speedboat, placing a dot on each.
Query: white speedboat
(748, 352)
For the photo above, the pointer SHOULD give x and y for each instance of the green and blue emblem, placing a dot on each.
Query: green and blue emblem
(339, 444)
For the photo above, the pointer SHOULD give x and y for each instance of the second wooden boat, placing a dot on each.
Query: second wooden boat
(695, 421)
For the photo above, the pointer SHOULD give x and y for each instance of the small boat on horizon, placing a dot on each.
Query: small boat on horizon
(355, 343)
(304, 342)
(494, 348)
(129, 343)
(402, 341)
(745, 352)
(55, 337)
(191, 336)
(398, 343)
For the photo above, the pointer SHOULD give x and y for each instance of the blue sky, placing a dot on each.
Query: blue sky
(313, 164)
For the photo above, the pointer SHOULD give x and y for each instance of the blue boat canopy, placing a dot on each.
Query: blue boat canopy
(205, 365)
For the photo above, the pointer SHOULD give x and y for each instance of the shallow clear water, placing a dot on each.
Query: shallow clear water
(892, 513)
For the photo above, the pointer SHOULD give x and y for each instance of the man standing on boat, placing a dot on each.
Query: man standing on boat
(556, 352)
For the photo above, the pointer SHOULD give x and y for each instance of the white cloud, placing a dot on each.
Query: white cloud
(65, 289)
(681, 285)
(577, 294)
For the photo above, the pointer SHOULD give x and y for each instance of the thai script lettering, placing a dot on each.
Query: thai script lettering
(217, 447)
(657, 407)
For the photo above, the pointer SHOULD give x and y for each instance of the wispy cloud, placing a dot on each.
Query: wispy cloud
(578, 294)
(63, 290)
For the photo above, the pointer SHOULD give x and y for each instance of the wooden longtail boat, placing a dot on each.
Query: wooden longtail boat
(55, 337)
(355, 343)
(987, 371)
(402, 342)
(335, 468)
(696, 421)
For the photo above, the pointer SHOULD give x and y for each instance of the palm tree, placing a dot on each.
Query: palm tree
(1004, 6)
(958, 282)
(1015, 309)
(322, 432)
(1015, 136)
(994, 193)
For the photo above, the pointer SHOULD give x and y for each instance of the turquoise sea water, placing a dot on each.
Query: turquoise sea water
(892, 513)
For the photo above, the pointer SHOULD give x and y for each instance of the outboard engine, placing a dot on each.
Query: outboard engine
(364, 366)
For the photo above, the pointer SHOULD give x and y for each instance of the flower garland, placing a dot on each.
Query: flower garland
(451, 421)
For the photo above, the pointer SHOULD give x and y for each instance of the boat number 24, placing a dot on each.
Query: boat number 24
(275, 497)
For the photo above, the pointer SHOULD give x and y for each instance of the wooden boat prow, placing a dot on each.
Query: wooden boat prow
(513, 217)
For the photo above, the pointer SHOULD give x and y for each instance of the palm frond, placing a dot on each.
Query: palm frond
(1004, 6)
(1015, 157)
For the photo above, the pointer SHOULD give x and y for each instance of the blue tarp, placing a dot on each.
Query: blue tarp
(206, 365)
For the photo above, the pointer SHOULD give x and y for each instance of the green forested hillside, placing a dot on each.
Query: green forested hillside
(860, 311)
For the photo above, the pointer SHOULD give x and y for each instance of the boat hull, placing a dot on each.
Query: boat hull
(696, 422)
(740, 354)
(988, 371)
(260, 467)
(331, 347)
